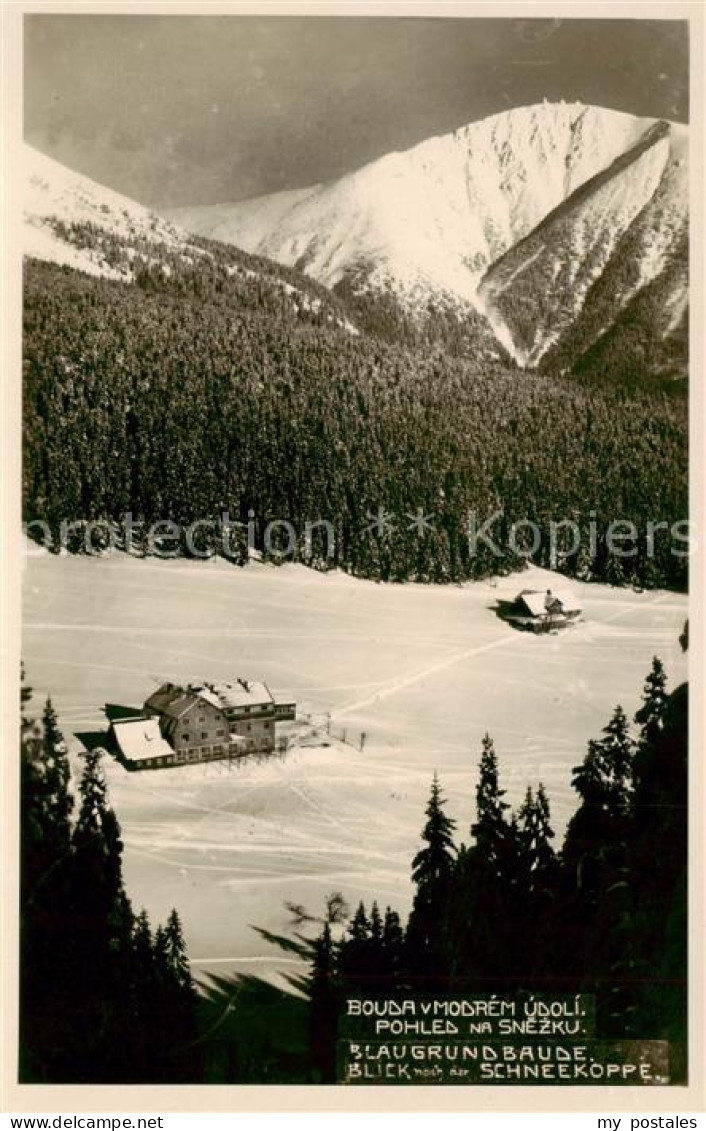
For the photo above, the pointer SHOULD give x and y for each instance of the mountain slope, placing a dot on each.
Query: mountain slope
(56, 198)
(645, 283)
(629, 216)
(70, 220)
(439, 213)
(650, 336)
(536, 197)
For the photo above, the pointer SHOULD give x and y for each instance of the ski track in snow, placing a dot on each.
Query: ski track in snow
(407, 681)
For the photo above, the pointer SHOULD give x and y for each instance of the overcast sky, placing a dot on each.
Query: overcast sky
(199, 109)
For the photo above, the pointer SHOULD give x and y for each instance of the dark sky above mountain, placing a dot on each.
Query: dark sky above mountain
(178, 110)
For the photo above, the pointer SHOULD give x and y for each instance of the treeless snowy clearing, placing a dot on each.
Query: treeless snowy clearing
(423, 671)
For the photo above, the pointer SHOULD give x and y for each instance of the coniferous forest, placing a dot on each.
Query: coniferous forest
(197, 391)
(499, 908)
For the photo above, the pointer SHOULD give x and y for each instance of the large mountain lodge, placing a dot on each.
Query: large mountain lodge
(199, 723)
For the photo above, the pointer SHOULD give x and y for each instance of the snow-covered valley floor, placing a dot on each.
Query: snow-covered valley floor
(423, 671)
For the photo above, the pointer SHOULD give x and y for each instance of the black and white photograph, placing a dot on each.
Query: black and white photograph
(356, 543)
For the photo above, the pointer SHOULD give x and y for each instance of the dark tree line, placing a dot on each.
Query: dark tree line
(509, 913)
(206, 270)
(198, 393)
(103, 998)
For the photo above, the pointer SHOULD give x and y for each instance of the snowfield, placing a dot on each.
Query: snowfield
(422, 671)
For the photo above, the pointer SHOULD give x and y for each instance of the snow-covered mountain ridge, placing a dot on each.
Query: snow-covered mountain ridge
(56, 197)
(635, 210)
(74, 221)
(514, 216)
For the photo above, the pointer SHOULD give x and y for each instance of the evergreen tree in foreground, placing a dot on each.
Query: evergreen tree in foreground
(650, 717)
(57, 778)
(490, 830)
(658, 860)
(100, 1002)
(489, 891)
(179, 1052)
(618, 753)
(45, 921)
(325, 1000)
(392, 947)
(432, 866)
(432, 873)
(355, 948)
(537, 835)
(595, 843)
(655, 701)
(535, 898)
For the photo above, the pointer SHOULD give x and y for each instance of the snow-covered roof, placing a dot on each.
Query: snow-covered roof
(140, 738)
(539, 603)
(533, 602)
(242, 693)
(172, 701)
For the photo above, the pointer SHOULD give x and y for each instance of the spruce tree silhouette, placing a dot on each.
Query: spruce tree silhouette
(432, 872)
(325, 1001)
(45, 920)
(93, 985)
